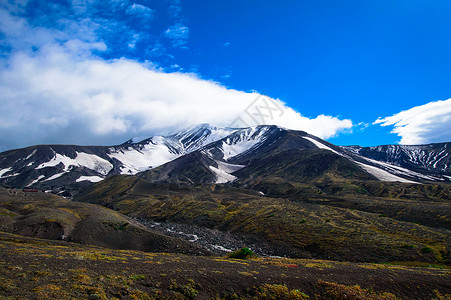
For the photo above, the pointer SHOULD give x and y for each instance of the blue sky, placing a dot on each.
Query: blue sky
(99, 72)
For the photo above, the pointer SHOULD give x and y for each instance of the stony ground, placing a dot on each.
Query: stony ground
(41, 269)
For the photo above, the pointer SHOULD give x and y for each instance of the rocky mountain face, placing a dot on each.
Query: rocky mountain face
(208, 154)
(269, 150)
(432, 159)
(68, 168)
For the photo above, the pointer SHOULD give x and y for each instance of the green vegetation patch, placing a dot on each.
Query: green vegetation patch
(340, 291)
(279, 292)
(243, 253)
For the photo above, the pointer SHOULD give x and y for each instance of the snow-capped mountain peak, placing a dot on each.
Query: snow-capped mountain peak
(225, 151)
(201, 135)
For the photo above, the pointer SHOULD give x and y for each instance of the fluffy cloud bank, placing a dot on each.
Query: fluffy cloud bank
(55, 86)
(52, 93)
(422, 124)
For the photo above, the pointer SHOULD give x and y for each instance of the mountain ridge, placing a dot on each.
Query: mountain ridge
(69, 168)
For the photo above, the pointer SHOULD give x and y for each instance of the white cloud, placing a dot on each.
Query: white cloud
(53, 91)
(428, 123)
(178, 33)
(175, 10)
(139, 10)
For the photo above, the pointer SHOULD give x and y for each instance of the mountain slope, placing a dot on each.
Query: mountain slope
(432, 159)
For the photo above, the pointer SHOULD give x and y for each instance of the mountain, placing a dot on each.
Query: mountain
(431, 159)
(208, 154)
(63, 168)
(271, 150)
(281, 192)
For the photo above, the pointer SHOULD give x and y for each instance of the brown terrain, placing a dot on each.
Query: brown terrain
(32, 268)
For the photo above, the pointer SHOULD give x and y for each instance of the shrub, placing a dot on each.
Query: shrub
(189, 290)
(440, 296)
(278, 291)
(243, 253)
(137, 277)
(339, 291)
(426, 250)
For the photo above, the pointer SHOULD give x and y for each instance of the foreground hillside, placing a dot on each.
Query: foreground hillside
(48, 216)
(348, 227)
(41, 269)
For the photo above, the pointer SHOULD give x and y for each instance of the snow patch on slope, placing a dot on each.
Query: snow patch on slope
(3, 171)
(199, 136)
(155, 153)
(320, 145)
(82, 159)
(382, 171)
(55, 176)
(242, 141)
(382, 174)
(238, 148)
(400, 170)
(89, 178)
(31, 154)
(36, 180)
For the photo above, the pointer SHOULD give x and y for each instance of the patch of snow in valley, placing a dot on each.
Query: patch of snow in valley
(219, 242)
(89, 178)
(223, 171)
(221, 176)
(229, 168)
(221, 248)
(190, 237)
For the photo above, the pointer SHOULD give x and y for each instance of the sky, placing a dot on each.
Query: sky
(99, 72)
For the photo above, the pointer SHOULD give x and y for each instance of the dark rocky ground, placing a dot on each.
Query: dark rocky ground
(216, 241)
